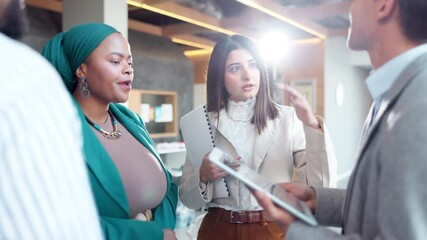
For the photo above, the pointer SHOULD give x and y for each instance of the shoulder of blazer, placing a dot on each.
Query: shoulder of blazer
(286, 114)
(416, 67)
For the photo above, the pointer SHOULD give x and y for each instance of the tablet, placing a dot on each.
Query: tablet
(278, 195)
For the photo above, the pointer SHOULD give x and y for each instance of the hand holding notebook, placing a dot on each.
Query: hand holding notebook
(199, 140)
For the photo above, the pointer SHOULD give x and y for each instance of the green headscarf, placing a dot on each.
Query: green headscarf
(68, 50)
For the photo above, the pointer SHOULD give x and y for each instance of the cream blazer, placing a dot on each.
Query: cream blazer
(286, 151)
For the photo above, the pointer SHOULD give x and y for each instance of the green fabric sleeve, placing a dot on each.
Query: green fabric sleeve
(119, 228)
(164, 217)
(162, 213)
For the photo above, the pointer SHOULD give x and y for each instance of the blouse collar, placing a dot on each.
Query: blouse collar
(241, 111)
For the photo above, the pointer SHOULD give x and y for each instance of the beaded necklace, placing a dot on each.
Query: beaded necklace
(115, 134)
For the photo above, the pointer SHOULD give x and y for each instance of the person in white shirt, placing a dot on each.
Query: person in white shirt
(44, 185)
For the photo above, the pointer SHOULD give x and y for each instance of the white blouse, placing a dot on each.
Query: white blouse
(242, 137)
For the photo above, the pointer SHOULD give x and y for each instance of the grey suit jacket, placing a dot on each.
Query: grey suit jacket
(386, 196)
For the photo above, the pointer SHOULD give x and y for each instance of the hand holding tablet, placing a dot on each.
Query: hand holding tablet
(278, 195)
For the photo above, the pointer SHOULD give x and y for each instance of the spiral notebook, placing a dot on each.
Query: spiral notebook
(197, 134)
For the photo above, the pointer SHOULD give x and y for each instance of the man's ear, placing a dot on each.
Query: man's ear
(385, 8)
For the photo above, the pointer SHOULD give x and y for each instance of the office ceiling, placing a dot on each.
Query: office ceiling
(198, 24)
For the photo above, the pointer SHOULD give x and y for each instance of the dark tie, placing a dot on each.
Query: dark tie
(369, 119)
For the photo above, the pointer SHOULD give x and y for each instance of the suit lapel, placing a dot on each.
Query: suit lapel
(390, 97)
(388, 101)
(263, 142)
(219, 126)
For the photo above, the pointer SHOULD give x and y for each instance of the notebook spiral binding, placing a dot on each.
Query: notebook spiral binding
(199, 139)
(213, 141)
(209, 125)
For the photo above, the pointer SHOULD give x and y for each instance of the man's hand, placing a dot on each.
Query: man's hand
(282, 217)
(302, 192)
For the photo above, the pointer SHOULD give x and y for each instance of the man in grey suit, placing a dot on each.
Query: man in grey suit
(386, 197)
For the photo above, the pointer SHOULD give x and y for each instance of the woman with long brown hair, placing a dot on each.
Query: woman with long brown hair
(282, 143)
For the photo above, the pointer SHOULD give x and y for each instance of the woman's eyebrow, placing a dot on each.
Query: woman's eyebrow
(232, 64)
(117, 53)
(120, 55)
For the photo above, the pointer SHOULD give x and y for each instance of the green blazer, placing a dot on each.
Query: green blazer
(108, 190)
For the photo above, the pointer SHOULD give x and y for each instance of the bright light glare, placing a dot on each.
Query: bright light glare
(274, 46)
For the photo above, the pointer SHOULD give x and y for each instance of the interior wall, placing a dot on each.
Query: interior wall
(200, 64)
(306, 61)
(160, 64)
(42, 25)
(347, 107)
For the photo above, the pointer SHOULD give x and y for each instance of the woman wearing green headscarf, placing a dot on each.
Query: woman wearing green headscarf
(135, 196)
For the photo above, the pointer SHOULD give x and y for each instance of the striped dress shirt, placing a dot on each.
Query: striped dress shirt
(44, 187)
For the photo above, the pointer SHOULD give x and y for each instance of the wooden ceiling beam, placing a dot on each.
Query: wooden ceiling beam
(57, 6)
(132, 8)
(251, 18)
(54, 6)
(193, 41)
(183, 28)
(197, 22)
(156, 1)
(278, 11)
(321, 11)
(185, 14)
(145, 27)
(248, 18)
(140, 2)
(245, 32)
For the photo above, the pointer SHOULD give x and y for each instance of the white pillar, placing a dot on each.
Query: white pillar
(347, 103)
(111, 12)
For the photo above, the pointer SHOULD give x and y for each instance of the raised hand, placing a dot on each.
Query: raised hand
(302, 108)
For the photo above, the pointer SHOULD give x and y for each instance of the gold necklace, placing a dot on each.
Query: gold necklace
(115, 134)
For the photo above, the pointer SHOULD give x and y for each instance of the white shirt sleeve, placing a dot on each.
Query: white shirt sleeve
(44, 187)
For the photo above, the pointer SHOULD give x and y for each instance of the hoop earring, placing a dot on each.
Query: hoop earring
(85, 93)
